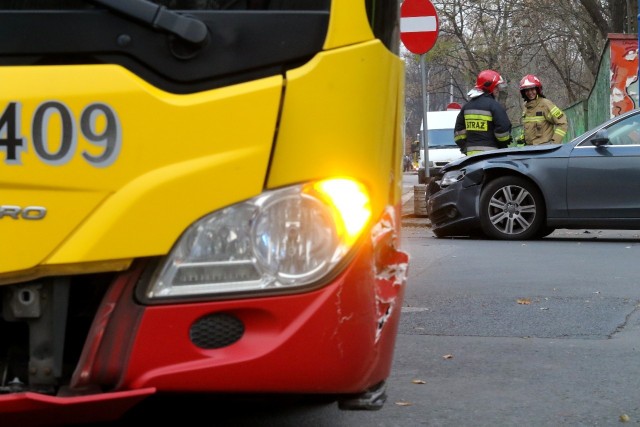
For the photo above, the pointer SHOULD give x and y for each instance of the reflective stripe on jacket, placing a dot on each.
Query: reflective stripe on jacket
(482, 124)
(543, 122)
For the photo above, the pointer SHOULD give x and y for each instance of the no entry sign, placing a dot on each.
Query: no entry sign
(418, 25)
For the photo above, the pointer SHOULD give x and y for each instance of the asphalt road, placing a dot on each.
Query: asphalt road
(543, 333)
(510, 333)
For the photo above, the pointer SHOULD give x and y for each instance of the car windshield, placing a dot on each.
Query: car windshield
(441, 138)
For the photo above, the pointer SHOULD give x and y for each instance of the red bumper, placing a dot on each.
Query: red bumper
(338, 339)
(335, 340)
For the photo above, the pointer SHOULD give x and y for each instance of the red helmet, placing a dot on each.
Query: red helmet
(529, 81)
(488, 80)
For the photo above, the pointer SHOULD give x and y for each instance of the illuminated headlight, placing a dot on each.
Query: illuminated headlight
(283, 239)
(451, 177)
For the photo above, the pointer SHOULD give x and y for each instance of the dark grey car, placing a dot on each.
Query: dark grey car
(527, 193)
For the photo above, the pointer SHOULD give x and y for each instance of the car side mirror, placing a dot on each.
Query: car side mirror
(600, 138)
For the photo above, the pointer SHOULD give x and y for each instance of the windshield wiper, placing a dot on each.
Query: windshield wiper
(156, 16)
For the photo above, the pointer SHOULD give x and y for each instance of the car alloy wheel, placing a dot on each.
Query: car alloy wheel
(511, 208)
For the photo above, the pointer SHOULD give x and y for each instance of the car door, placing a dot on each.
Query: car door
(604, 181)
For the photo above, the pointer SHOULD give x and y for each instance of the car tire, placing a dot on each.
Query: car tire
(511, 208)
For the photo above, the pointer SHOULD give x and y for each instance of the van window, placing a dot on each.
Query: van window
(441, 138)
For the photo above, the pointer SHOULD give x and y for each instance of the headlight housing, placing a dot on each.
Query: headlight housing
(281, 240)
(451, 177)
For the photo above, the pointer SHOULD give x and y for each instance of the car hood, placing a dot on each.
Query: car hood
(519, 152)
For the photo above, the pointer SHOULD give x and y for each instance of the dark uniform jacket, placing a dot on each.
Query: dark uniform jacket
(482, 125)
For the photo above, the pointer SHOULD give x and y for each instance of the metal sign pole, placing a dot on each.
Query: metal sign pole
(424, 137)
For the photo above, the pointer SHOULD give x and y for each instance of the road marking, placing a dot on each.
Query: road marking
(414, 309)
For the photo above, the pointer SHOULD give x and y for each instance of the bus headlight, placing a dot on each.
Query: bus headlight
(281, 240)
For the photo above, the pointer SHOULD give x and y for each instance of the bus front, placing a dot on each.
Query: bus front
(197, 197)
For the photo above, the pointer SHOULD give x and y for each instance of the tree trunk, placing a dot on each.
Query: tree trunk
(596, 14)
(632, 16)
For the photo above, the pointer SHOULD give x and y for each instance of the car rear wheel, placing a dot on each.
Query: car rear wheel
(511, 208)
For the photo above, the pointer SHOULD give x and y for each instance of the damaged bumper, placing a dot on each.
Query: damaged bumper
(272, 345)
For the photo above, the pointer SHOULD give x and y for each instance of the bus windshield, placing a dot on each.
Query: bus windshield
(170, 4)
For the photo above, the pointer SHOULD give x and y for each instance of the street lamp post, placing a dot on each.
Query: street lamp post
(425, 127)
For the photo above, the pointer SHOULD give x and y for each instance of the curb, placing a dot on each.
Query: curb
(415, 221)
(409, 217)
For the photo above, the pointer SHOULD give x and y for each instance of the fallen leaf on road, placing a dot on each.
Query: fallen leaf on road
(448, 356)
(404, 403)
(524, 301)
(419, 381)
(624, 418)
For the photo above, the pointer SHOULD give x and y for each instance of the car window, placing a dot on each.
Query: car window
(625, 132)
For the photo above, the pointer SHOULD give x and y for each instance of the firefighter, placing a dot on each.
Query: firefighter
(482, 123)
(542, 121)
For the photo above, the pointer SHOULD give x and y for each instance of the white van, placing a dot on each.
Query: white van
(442, 147)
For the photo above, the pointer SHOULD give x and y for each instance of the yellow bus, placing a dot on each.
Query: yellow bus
(197, 197)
